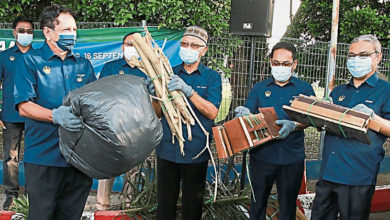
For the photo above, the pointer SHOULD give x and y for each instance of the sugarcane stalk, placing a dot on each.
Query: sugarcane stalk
(171, 112)
(155, 62)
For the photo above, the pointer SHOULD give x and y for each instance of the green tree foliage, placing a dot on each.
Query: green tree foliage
(356, 17)
(213, 15)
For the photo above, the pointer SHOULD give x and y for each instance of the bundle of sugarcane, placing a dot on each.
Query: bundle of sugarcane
(174, 104)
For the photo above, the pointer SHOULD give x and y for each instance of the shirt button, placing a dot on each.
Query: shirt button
(332, 152)
(66, 77)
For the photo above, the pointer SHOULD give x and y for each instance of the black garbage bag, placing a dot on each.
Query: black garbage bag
(120, 127)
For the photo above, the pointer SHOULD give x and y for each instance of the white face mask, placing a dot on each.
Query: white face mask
(281, 73)
(188, 56)
(359, 66)
(130, 52)
(24, 39)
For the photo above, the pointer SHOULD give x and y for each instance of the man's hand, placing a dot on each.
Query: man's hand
(241, 111)
(150, 85)
(2, 124)
(287, 127)
(364, 109)
(328, 99)
(64, 117)
(177, 83)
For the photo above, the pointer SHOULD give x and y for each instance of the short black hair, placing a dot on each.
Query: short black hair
(130, 33)
(50, 14)
(22, 18)
(287, 46)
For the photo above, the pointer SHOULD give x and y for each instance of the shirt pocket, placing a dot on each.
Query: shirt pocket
(372, 105)
(79, 79)
(201, 90)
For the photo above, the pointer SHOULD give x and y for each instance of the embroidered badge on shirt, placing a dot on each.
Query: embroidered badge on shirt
(46, 70)
(121, 72)
(80, 77)
(341, 98)
(267, 93)
(12, 58)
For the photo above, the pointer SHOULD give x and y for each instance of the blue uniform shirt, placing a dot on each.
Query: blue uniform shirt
(347, 161)
(120, 67)
(207, 83)
(8, 61)
(45, 79)
(268, 94)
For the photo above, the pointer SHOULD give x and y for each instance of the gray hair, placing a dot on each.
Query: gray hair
(369, 38)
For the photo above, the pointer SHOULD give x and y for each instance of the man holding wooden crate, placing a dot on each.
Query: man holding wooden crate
(349, 168)
(281, 160)
(202, 86)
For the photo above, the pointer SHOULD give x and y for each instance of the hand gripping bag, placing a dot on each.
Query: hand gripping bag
(120, 127)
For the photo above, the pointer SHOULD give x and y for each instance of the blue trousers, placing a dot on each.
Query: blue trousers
(288, 181)
(352, 202)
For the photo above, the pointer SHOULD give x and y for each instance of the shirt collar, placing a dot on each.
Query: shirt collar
(15, 48)
(123, 63)
(200, 70)
(48, 53)
(371, 81)
(271, 80)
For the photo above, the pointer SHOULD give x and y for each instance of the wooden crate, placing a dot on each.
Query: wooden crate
(335, 119)
(245, 132)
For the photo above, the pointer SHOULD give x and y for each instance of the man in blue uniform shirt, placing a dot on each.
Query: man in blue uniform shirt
(11, 122)
(203, 87)
(123, 66)
(349, 167)
(55, 189)
(281, 160)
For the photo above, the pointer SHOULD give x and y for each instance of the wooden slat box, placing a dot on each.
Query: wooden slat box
(245, 132)
(336, 119)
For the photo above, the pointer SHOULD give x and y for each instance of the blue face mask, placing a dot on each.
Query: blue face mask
(359, 66)
(281, 73)
(66, 41)
(24, 39)
(188, 56)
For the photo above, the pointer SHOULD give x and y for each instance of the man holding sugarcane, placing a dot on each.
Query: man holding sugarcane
(202, 87)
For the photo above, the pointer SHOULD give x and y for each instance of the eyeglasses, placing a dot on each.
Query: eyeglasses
(22, 31)
(193, 46)
(128, 44)
(285, 63)
(361, 54)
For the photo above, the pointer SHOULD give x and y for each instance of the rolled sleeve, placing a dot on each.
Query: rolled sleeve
(252, 101)
(214, 91)
(385, 111)
(25, 82)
